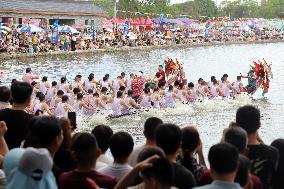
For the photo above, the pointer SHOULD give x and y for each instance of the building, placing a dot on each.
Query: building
(68, 12)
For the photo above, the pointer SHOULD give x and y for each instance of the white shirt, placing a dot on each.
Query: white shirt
(116, 170)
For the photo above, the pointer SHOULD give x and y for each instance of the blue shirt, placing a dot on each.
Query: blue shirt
(217, 184)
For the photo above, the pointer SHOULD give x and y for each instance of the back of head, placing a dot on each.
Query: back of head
(171, 88)
(103, 135)
(121, 145)
(42, 132)
(54, 83)
(161, 172)
(190, 139)
(248, 118)
(84, 147)
(242, 176)
(223, 158)
(237, 137)
(60, 93)
(151, 126)
(190, 85)
(5, 94)
(21, 92)
(150, 151)
(277, 180)
(44, 79)
(63, 79)
(40, 96)
(119, 94)
(80, 96)
(168, 137)
(64, 98)
(104, 89)
(76, 90)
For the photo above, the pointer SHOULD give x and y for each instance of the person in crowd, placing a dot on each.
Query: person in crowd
(3, 151)
(16, 118)
(86, 152)
(121, 146)
(63, 157)
(277, 179)
(150, 126)
(45, 132)
(238, 138)
(5, 96)
(157, 173)
(103, 134)
(264, 158)
(224, 160)
(191, 144)
(29, 168)
(168, 137)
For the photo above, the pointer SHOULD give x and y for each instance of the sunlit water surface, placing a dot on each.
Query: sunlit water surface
(211, 117)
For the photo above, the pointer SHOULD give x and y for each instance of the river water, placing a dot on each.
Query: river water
(210, 117)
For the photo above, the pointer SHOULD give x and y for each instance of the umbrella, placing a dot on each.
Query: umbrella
(67, 29)
(31, 29)
(5, 28)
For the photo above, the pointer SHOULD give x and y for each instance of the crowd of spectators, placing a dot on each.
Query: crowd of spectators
(24, 42)
(41, 152)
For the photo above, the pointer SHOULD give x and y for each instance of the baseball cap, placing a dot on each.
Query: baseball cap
(29, 168)
(36, 163)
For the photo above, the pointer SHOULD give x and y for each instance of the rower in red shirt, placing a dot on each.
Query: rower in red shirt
(160, 76)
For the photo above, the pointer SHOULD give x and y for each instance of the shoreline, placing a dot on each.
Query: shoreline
(5, 56)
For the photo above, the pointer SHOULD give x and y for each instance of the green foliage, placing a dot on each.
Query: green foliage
(234, 9)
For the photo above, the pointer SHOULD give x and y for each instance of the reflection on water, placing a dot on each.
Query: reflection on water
(203, 62)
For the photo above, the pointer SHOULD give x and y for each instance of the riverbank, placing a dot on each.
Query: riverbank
(5, 56)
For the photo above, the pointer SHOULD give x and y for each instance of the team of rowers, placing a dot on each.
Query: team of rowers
(122, 94)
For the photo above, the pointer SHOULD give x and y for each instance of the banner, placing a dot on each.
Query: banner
(161, 20)
(54, 37)
(93, 29)
(126, 28)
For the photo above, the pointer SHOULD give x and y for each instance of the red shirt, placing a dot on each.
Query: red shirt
(78, 180)
(137, 86)
(159, 74)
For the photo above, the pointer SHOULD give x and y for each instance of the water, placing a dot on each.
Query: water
(210, 117)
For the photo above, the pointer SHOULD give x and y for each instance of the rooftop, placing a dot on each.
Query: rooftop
(59, 7)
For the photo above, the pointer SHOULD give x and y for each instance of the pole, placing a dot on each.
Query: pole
(114, 15)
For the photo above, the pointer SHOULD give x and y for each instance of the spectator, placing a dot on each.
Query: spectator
(121, 145)
(16, 118)
(85, 151)
(5, 96)
(168, 137)
(150, 127)
(238, 138)
(277, 179)
(45, 132)
(191, 144)
(264, 158)
(157, 173)
(29, 168)
(103, 135)
(223, 159)
(63, 157)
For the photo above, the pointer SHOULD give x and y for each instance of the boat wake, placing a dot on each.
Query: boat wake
(86, 123)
